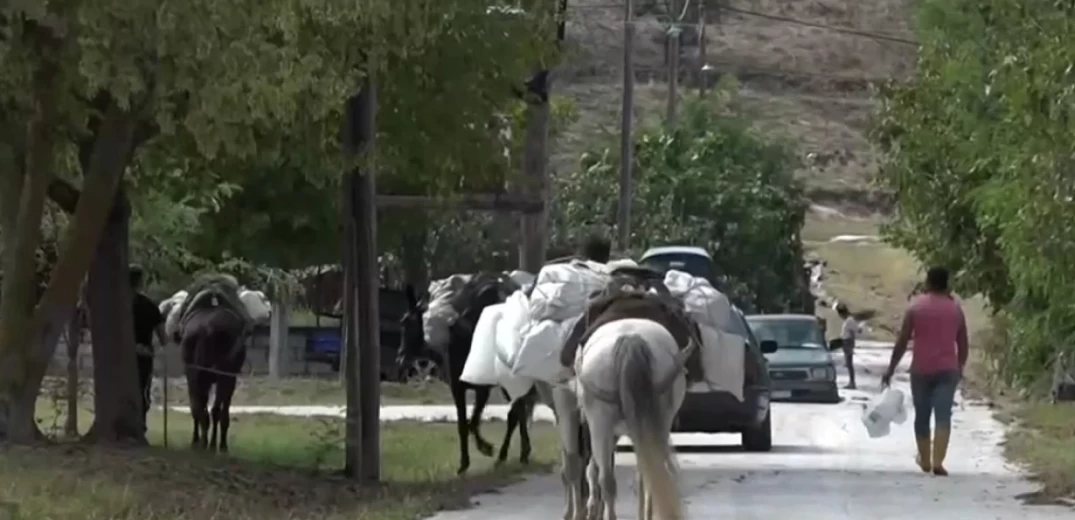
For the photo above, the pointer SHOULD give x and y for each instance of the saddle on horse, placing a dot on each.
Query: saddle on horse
(628, 295)
(210, 291)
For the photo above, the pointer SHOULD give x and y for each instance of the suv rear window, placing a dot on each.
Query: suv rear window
(695, 265)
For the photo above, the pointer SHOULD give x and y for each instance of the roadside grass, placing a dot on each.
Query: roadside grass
(288, 391)
(279, 468)
(1039, 433)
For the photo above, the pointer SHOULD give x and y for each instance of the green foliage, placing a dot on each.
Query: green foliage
(979, 154)
(709, 182)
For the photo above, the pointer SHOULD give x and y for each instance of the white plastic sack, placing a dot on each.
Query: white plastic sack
(562, 290)
(623, 262)
(439, 315)
(515, 386)
(257, 304)
(480, 368)
(705, 304)
(171, 320)
(557, 301)
(539, 354)
(722, 360)
(509, 330)
(522, 278)
(881, 412)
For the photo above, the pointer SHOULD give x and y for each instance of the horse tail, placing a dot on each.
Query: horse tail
(640, 402)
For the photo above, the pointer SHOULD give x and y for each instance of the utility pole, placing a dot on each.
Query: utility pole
(623, 221)
(362, 287)
(703, 56)
(673, 72)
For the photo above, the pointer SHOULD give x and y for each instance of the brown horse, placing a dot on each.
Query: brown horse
(211, 337)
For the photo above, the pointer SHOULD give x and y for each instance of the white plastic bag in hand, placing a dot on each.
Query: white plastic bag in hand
(881, 412)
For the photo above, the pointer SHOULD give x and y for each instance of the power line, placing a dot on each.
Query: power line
(833, 28)
(777, 18)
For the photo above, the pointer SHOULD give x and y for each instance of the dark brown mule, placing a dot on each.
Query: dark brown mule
(483, 290)
(213, 353)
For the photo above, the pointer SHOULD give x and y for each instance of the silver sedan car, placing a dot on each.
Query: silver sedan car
(801, 368)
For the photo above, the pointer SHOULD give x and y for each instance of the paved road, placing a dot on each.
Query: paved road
(823, 466)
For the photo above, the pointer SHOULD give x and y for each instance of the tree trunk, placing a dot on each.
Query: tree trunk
(117, 401)
(22, 204)
(74, 339)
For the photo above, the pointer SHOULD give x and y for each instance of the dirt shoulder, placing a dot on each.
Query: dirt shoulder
(1039, 434)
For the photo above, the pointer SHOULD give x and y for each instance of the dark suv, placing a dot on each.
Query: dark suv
(719, 411)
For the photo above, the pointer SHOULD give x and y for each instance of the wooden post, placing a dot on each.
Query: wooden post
(278, 334)
(533, 226)
(623, 221)
(349, 327)
(361, 288)
(368, 284)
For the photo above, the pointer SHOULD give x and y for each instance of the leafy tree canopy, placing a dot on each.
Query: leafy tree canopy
(979, 155)
(710, 182)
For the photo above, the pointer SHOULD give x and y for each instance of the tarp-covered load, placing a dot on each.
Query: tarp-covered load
(530, 331)
(440, 314)
(214, 289)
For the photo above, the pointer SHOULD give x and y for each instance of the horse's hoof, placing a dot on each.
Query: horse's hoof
(499, 462)
(524, 461)
(485, 449)
(462, 470)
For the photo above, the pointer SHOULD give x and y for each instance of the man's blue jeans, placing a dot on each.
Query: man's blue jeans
(933, 394)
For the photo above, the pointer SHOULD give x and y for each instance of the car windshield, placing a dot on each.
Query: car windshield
(695, 265)
(789, 333)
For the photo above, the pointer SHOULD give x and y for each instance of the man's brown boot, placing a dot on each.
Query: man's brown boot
(923, 458)
(940, 450)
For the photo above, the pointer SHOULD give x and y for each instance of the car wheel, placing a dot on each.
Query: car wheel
(421, 370)
(759, 438)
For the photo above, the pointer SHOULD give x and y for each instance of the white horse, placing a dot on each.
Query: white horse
(632, 380)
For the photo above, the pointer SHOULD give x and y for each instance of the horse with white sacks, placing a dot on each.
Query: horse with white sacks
(630, 379)
(481, 291)
(209, 321)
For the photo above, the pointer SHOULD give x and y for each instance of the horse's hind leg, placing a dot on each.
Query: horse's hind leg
(526, 410)
(513, 421)
(224, 391)
(214, 414)
(459, 396)
(481, 398)
(518, 416)
(601, 419)
(197, 393)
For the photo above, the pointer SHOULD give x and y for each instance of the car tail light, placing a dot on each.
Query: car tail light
(750, 369)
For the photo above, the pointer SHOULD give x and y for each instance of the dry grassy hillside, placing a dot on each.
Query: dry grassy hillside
(804, 75)
(799, 81)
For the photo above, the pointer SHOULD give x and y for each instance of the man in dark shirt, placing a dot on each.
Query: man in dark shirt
(147, 322)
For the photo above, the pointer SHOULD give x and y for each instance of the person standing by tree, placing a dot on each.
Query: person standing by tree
(147, 322)
(848, 334)
(935, 321)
